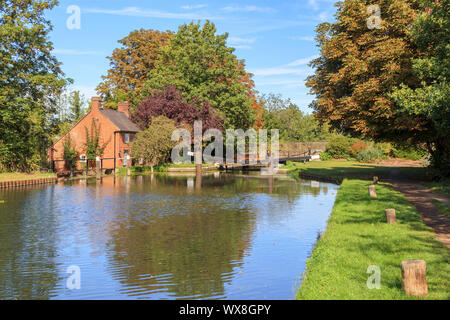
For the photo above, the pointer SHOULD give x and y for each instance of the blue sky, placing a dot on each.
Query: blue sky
(274, 37)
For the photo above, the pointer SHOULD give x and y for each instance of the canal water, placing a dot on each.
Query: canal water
(235, 236)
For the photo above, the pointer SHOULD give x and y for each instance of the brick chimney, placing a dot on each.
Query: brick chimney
(96, 104)
(124, 107)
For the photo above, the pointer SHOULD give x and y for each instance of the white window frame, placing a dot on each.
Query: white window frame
(83, 157)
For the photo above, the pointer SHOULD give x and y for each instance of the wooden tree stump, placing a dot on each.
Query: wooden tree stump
(390, 216)
(375, 179)
(414, 278)
(372, 192)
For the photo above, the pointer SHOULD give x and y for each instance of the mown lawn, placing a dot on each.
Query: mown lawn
(357, 236)
(18, 176)
(353, 169)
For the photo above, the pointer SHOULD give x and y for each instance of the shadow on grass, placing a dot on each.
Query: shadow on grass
(352, 170)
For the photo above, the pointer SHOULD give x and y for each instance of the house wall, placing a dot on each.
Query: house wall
(106, 137)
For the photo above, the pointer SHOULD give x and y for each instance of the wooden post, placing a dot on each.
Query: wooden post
(375, 179)
(390, 216)
(414, 278)
(372, 192)
(98, 168)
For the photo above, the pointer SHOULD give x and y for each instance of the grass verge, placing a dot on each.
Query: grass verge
(442, 207)
(357, 237)
(441, 187)
(353, 169)
(19, 176)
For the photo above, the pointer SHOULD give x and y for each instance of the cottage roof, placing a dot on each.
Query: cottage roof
(120, 120)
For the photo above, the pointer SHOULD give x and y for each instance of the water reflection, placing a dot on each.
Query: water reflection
(238, 236)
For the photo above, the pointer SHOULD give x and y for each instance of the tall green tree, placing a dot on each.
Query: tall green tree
(430, 99)
(76, 103)
(292, 123)
(200, 64)
(30, 83)
(360, 63)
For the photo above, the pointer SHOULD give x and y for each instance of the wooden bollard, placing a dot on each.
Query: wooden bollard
(414, 278)
(390, 216)
(375, 179)
(372, 192)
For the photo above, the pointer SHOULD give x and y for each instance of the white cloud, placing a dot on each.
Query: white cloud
(241, 46)
(198, 6)
(248, 9)
(323, 16)
(302, 38)
(313, 4)
(278, 71)
(302, 61)
(286, 83)
(148, 13)
(237, 40)
(75, 52)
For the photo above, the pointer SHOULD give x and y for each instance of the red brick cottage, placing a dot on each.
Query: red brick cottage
(116, 132)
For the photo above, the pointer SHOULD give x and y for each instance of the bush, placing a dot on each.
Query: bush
(370, 154)
(386, 147)
(340, 147)
(408, 152)
(325, 156)
(357, 147)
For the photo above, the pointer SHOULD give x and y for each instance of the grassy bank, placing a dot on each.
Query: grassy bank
(357, 236)
(355, 169)
(441, 187)
(18, 176)
(443, 208)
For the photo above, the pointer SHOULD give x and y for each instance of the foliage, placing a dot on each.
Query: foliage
(325, 156)
(31, 80)
(357, 147)
(76, 103)
(69, 151)
(200, 64)
(130, 64)
(153, 145)
(358, 67)
(170, 103)
(442, 207)
(292, 123)
(386, 147)
(358, 236)
(92, 144)
(339, 147)
(408, 152)
(369, 154)
(429, 99)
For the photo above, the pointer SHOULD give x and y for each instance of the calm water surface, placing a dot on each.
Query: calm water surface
(161, 237)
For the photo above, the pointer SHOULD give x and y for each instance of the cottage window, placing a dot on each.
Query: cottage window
(127, 138)
(83, 158)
